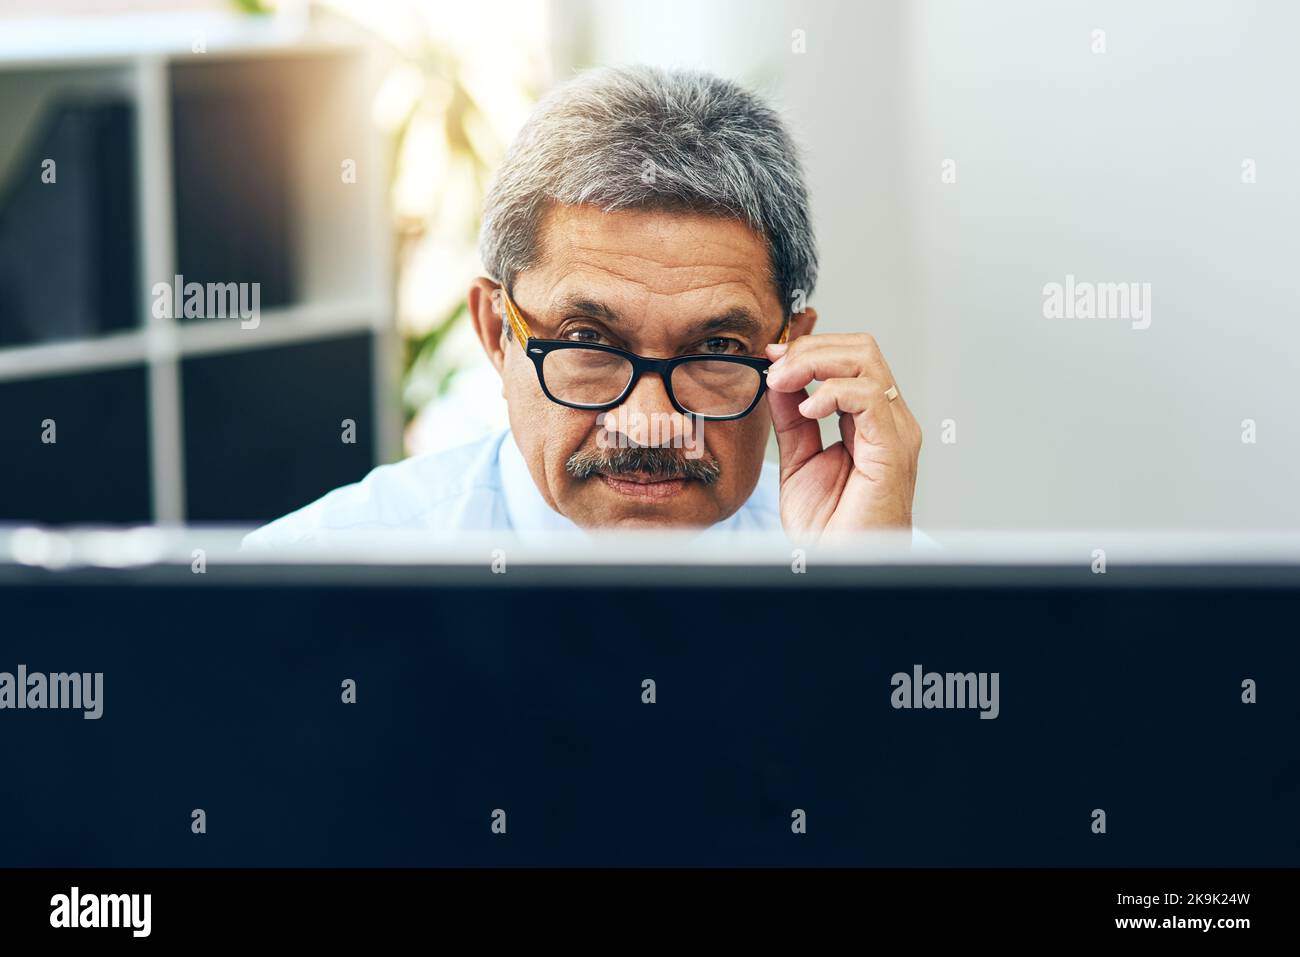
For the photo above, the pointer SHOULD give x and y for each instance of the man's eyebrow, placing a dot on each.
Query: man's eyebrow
(578, 304)
(739, 321)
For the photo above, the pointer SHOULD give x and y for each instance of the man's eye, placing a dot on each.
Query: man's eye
(723, 345)
(584, 335)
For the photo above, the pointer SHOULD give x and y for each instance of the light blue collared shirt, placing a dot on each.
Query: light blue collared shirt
(482, 486)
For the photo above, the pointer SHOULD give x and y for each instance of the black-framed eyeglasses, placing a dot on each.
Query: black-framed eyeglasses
(586, 375)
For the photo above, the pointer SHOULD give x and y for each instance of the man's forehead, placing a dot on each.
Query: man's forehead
(650, 254)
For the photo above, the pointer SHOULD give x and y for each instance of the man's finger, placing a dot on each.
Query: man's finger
(818, 358)
(865, 400)
(847, 429)
(795, 370)
(797, 438)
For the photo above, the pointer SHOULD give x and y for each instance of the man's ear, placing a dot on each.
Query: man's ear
(485, 311)
(801, 323)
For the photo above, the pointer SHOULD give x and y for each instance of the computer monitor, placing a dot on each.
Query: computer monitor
(580, 707)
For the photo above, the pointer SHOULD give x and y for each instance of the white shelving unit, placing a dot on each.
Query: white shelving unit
(340, 242)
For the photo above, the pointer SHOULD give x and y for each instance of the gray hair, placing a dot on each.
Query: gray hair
(646, 138)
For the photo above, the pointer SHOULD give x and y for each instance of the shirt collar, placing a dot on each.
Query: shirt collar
(525, 508)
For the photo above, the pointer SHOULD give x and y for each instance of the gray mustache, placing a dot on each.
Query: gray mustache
(660, 462)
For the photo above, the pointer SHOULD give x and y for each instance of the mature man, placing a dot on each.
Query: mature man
(650, 249)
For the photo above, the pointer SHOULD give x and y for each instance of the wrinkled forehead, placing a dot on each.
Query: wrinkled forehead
(676, 262)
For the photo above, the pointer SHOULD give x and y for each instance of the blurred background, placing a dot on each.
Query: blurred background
(961, 158)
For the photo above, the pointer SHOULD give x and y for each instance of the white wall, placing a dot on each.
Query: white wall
(1122, 166)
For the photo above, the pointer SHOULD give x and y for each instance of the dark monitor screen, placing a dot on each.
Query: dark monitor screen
(654, 715)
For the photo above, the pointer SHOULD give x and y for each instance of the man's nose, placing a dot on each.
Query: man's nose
(647, 416)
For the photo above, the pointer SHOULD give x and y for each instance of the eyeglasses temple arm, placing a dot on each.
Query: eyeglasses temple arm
(516, 321)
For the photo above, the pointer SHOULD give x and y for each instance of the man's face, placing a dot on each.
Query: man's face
(659, 284)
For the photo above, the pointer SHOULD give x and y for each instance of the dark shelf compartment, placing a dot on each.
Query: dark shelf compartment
(69, 248)
(262, 427)
(233, 191)
(98, 470)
